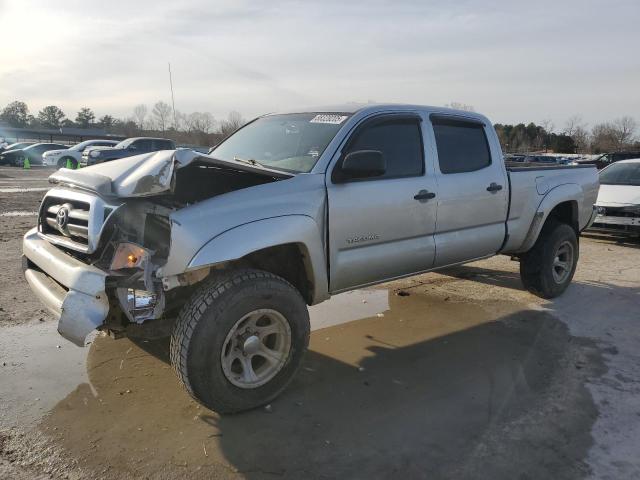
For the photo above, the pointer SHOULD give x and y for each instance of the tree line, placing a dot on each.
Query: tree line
(197, 128)
(202, 128)
(574, 137)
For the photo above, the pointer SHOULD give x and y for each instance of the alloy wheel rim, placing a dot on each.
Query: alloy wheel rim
(562, 262)
(256, 348)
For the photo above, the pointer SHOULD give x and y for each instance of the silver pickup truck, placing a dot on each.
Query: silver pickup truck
(225, 251)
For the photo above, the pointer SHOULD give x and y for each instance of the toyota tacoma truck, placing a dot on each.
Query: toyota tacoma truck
(224, 251)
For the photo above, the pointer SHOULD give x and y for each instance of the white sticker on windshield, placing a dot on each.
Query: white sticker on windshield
(332, 119)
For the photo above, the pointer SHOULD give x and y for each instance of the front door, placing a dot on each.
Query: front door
(382, 227)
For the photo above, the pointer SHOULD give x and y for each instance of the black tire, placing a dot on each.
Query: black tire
(537, 265)
(62, 163)
(205, 321)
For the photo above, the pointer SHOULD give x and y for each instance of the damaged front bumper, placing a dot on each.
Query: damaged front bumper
(71, 290)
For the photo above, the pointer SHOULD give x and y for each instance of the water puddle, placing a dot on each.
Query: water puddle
(24, 189)
(18, 213)
(38, 368)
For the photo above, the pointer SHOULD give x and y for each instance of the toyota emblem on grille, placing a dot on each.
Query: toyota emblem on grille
(62, 218)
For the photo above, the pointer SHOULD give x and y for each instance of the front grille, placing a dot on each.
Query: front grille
(616, 212)
(66, 218)
(74, 219)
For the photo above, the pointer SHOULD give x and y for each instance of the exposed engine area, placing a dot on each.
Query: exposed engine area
(133, 238)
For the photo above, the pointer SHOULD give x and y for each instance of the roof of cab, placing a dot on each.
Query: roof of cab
(353, 108)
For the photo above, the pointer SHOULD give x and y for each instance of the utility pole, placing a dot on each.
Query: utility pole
(173, 103)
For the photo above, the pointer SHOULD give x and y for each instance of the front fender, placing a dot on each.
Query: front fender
(240, 241)
(568, 192)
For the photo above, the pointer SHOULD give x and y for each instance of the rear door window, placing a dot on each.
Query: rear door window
(143, 145)
(462, 145)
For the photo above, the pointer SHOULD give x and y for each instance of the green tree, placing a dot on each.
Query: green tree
(50, 116)
(16, 114)
(85, 117)
(107, 122)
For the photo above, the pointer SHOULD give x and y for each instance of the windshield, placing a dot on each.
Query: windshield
(291, 142)
(124, 143)
(621, 174)
(81, 146)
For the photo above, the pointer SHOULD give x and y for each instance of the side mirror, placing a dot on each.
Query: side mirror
(363, 164)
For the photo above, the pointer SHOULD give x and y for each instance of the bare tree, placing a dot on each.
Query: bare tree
(624, 129)
(603, 138)
(140, 113)
(200, 122)
(577, 130)
(573, 122)
(548, 125)
(233, 122)
(161, 113)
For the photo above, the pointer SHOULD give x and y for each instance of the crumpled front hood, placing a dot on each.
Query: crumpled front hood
(144, 175)
(612, 195)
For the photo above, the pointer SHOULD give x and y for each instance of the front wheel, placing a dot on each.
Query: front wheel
(548, 268)
(72, 163)
(239, 340)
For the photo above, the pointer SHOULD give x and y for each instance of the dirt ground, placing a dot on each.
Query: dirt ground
(457, 374)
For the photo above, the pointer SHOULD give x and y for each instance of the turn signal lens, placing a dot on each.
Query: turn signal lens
(128, 255)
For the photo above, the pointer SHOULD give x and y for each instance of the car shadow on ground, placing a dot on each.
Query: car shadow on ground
(603, 238)
(399, 396)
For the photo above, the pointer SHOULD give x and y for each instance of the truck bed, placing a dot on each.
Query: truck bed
(528, 166)
(529, 183)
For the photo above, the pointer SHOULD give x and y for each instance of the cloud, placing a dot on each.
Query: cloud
(511, 60)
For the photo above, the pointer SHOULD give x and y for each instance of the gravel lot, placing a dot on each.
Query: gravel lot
(458, 374)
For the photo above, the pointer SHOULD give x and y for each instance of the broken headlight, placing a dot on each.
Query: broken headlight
(129, 255)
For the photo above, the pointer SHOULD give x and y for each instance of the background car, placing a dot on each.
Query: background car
(126, 148)
(13, 146)
(618, 204)
(32, 152)
(608, 158)
(59, 158)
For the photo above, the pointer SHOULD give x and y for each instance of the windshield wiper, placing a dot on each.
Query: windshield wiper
(249, 161)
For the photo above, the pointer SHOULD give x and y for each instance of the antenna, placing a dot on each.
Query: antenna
(173, 103)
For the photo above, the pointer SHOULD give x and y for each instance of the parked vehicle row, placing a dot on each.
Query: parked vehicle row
(73, 155)
(89, 152)
(126, 148)
(33, 152)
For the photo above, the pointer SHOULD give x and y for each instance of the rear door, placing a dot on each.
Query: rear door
(472, 191)
(377, 229)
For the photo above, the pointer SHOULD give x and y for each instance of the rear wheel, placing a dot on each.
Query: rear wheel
(240, 339)
(548, 268)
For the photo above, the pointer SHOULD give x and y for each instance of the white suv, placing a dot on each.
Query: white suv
(58, 158)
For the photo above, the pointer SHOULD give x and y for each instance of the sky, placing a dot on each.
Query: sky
(513, 61)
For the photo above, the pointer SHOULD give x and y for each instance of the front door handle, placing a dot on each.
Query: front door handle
(494, 187)
(424, 195)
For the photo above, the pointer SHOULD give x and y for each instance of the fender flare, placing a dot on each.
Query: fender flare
(567, 192)
(242, 240)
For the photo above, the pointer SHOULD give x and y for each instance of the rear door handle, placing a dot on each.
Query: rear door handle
(494, 187)
(424, 195)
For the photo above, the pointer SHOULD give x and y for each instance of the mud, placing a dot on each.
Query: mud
(460, 374)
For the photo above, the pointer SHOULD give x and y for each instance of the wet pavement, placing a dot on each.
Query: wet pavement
(430, 380)
(459, 374)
